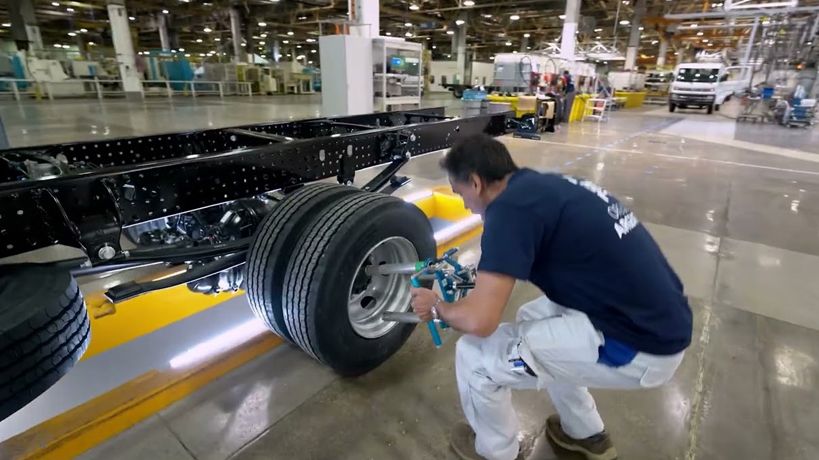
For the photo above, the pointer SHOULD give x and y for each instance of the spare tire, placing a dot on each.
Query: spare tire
(273, 246)
(332, 308)
(44, 330)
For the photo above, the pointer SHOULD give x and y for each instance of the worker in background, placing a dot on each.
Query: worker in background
(568, 93)
(614, 315)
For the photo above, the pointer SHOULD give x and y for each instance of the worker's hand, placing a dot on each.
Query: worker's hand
(422, 302)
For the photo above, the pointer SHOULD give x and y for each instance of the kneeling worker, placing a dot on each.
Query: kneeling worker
(615, 315)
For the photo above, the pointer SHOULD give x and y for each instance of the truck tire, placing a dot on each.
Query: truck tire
(273, 246)
(672, 107)
(44, 330)
(710, 109)
(331, 306)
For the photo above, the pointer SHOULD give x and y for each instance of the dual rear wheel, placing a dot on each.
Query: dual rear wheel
(307, 275)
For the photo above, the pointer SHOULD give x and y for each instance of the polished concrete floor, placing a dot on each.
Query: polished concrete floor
(737, 218)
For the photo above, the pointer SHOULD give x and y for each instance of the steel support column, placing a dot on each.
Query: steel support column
(663, 51)
(634, 37)
(568, 41)
(460, 54)
(164, 38)
(124, 49)
(236, 34)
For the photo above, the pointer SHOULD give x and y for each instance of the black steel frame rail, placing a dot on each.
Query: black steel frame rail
(121, 182)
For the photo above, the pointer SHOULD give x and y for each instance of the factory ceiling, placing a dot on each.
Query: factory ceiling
(493, 26)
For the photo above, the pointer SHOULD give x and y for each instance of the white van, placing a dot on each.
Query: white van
(704, 85)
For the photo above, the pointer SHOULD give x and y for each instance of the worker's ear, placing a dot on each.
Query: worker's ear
(476, 183)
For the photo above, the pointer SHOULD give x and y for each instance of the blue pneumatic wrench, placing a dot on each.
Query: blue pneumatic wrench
(453, 279)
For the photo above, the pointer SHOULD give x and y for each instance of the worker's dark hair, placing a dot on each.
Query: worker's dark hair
(479, 154)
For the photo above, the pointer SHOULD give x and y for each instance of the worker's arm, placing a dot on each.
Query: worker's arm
(478, 314)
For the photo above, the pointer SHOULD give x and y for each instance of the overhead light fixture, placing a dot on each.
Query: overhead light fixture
(217, 39)
(508, 43)
(597, 37)
(187, 55)
(450, 32)
(201, 54)
(624, 22)
(526, 35)
(459, 22)
(515, 52)
(165, 11)
(290, 33)
(434, 47)
(700, 34)
(261, 42)
(72, 34)
(55, 3)
(302, 18)
(693, 26)
(131, 18)
(491, 58)
(705, 40)
(598, 30)
(408, 34)
(740, 6)
(286, 42)
(641, 28)
(388, 34)
(514, 17)
(198, 40)
(181, 49)
(469, 3)
(57, 45)
(654, 42)
(297, 46)
(407, 24)
(263, 35)
(309, 62)
(83, 30)
(562, 16)
(207, 30)
(91, 44)
(313, 51)
(487, 16)
(310, 40)
(70, 10)
(262, 24)
(414, 7)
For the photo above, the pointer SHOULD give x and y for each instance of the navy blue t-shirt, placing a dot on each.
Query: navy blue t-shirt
(588, 252)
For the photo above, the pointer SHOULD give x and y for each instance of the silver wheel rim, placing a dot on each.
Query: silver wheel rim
(370, 296)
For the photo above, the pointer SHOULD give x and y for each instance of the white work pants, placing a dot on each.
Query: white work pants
(561, 346)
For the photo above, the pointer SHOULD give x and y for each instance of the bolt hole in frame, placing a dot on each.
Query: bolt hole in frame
(83, 195)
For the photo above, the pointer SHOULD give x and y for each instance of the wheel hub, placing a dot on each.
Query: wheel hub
(372, 295)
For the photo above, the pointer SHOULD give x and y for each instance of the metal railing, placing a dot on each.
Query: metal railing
(17, 87)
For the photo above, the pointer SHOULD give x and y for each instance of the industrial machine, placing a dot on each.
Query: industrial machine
(225, 209)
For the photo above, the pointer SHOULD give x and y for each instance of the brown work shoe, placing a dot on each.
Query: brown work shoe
(462, 440)
(597, 447)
